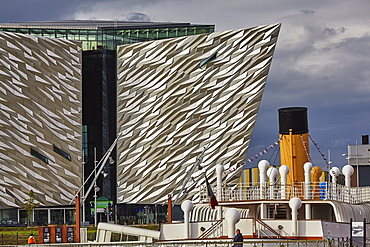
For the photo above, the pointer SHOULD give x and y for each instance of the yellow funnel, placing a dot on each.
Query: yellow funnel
(294, 148)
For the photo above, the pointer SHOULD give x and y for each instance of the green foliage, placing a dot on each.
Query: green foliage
(16, 235)
(19, 235)
(29, 205)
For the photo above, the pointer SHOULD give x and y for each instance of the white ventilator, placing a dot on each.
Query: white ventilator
(232, 216)
(347, 171)
(295, 203)
(187, 206)
(283, 170)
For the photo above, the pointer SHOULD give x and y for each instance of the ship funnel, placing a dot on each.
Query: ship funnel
(294, 148)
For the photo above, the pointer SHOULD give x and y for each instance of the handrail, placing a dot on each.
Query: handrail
(305, 191)
(210, 230)
(269, 228)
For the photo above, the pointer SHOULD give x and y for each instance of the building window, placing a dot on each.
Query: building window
(207, 60)
(85, 142)
(39, 156)
(62, 153)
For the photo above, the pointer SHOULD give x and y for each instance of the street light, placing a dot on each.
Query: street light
(357, 171)
(96, 189)
(100, 165)
(83, 187)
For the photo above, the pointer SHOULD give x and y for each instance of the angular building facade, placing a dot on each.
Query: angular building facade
(40, 119)
(99, 41)
(179, 100)
(183, 100)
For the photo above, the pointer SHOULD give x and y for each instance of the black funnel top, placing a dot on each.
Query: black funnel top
(294, 118)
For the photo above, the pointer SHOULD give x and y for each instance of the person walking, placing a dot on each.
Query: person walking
(238, 239)
(31, 239)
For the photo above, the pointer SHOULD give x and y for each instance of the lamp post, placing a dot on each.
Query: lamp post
(96, 171)
(329, 162)
(83, 187)
(357, 171)
(96, 190)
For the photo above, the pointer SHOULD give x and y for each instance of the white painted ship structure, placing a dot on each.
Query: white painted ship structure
(277, 206)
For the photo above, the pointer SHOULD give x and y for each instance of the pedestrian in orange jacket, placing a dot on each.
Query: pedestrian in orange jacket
(31, 239)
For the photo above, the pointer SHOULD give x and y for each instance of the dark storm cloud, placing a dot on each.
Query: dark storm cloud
(137, 17)
(334, 31)
(315, 67)
(35, 10)
(308, 12)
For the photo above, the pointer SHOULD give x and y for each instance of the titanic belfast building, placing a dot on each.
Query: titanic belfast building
(166, 93)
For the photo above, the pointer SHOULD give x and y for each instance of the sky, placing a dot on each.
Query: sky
(322, 58)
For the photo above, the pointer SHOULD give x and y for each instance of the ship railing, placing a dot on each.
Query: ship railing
(353, 195)
(279, 191)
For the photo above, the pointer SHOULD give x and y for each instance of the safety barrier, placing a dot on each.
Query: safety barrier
(278, 191)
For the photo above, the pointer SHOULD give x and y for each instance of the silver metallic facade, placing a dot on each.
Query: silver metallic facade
(179, 97)
(40, 119)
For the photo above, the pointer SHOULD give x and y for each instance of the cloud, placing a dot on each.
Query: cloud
(137, 17)
(307, 12)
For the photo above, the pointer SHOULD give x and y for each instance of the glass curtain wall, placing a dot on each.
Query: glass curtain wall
(57, 216)
(108, 38)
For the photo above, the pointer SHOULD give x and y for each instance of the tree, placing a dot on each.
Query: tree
(29, 205)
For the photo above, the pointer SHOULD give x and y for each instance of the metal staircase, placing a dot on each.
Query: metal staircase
(270, 229)
(215, 227)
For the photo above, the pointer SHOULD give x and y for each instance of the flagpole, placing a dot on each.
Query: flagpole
(219, 170)
(196, 164)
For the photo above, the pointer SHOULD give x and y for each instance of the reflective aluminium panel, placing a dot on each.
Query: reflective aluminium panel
(182, 96)
(40, 119)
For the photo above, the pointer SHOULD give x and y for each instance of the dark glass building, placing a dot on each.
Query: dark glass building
(99, 42)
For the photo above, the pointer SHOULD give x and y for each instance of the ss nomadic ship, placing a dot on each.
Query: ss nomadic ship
(292, 201)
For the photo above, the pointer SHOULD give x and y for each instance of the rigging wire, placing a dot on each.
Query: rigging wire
(276, 156)
(305, 148)
(322, 155)
(273, 152)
